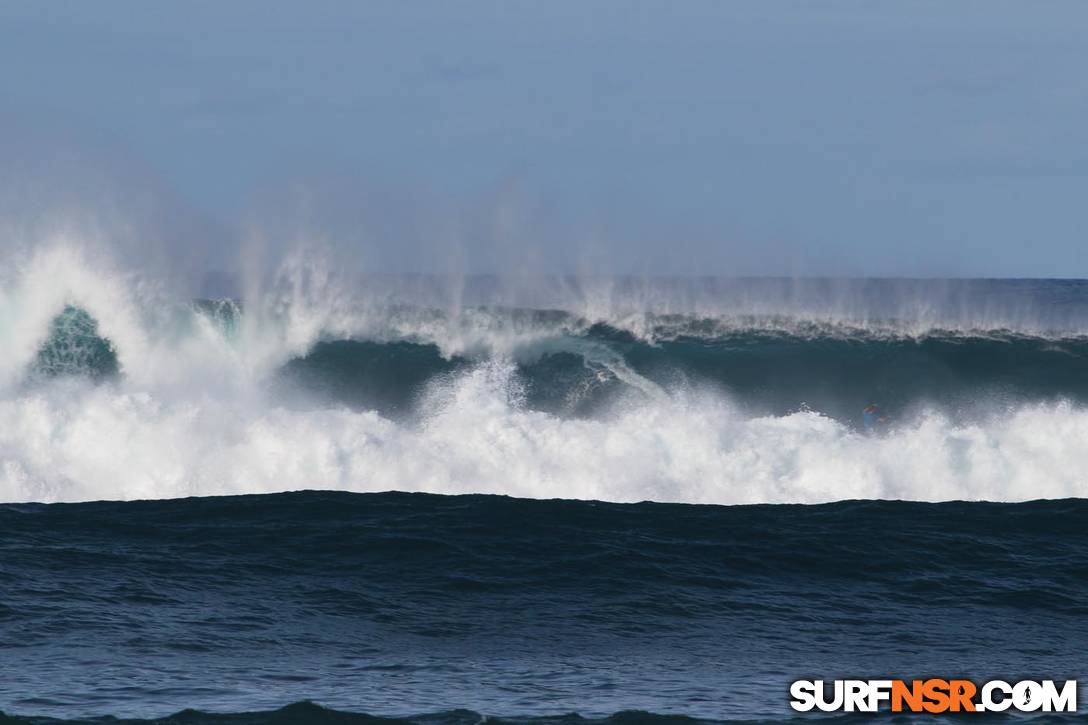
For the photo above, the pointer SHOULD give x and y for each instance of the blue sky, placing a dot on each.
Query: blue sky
(843, 138)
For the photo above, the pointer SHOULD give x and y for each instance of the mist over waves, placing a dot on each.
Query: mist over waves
(613, 388)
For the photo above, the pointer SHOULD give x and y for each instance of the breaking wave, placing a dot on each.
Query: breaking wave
(112, 388)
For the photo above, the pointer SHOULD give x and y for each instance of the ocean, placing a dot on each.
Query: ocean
(431, 607)
(610, 499)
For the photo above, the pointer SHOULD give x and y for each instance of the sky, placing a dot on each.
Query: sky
(728, 138)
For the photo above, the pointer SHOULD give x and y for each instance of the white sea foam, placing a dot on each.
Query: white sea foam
(73, 441)
(191, 414)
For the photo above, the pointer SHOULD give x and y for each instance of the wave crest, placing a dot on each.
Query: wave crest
(305, 385)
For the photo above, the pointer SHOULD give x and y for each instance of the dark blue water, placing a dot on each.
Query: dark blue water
(439, 608)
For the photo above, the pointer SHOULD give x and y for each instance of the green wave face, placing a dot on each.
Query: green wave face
(74, 347)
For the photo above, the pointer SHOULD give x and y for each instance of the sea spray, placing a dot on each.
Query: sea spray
(310, 382)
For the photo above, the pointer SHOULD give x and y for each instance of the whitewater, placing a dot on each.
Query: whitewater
(113, 386)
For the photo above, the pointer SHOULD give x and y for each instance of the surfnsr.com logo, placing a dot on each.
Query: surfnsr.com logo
(933, 695)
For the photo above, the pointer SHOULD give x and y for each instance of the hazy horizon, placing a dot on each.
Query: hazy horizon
(842, 140)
